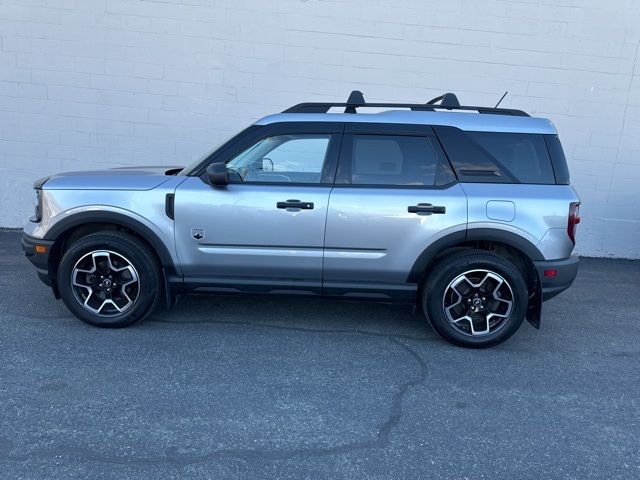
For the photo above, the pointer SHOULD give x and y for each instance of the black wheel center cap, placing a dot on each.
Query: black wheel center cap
(106, 283)
(477, 302)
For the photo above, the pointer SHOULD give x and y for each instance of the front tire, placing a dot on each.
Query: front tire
(109, 279)
(475, 299)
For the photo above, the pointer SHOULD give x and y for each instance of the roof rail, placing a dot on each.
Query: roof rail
(448, 101)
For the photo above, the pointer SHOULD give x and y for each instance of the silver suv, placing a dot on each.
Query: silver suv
(466, 212)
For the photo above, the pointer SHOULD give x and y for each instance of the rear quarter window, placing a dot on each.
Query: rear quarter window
(498, 157)
(558, 159)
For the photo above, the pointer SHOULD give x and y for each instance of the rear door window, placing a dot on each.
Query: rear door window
(393, 160)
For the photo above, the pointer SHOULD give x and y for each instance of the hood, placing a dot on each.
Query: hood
(121, 178)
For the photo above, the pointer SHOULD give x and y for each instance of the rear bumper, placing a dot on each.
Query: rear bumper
(39, 260)
(566, 271)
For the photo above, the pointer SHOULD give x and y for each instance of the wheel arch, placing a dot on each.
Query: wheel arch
(82, 223)
(481, 238)
(517, 249)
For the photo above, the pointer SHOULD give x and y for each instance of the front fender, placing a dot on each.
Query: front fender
(161, 241)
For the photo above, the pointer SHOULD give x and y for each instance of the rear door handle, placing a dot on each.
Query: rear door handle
(426, 208)
(295, 204)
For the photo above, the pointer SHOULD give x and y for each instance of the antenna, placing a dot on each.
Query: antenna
(501, 98)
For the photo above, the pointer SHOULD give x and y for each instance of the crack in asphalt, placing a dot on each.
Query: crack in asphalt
(300, 329)
(258, 324)
(173, 456)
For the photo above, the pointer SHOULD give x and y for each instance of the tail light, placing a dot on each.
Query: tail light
(574, 220)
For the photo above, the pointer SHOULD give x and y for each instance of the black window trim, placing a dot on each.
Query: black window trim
(199, 170)
(556, 165)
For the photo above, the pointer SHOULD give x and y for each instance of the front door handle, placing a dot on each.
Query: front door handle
(426, 208)
(295, 204)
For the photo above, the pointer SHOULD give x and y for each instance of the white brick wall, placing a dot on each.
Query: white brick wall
(100, 83)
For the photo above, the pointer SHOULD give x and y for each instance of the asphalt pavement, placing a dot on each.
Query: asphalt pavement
(231, 387)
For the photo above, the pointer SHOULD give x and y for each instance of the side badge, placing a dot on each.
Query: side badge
(197, 233)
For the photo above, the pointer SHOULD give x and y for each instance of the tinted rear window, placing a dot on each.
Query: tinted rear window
(498, 157)
(524, 155)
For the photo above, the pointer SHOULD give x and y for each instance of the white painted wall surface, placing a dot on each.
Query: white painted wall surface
(101, 83)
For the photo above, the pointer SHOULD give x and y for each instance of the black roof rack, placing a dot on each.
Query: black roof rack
(448, 101)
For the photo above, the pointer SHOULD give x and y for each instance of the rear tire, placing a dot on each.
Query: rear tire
(475, 299)
(109, 279)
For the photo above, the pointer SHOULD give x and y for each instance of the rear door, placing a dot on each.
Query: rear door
(395, 194)
(265, 230)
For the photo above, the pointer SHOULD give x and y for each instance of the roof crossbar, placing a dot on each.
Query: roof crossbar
(448, 101)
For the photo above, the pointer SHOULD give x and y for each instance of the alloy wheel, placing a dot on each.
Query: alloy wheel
(478, 302)
(105, 283)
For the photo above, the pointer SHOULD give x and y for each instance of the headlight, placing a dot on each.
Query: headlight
(37, 205)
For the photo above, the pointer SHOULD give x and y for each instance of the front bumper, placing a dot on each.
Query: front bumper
(566, 271)
(39, 260)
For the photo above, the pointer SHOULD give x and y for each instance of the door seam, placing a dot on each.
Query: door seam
(326, 216)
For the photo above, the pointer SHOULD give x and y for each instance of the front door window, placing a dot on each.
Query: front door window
(282, 159)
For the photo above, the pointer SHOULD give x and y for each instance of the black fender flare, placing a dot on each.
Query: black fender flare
(86, 217)
(508, 238)
(459, 238)
(432, 251)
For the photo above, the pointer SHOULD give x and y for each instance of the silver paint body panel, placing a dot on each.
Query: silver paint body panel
(127, 178)
(146, 206)
(372, 238)
(541, 213)
(246, 236)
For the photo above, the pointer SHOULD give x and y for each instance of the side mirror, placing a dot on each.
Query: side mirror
(217, 174)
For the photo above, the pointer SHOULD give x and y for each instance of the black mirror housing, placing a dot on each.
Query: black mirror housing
(217, 174)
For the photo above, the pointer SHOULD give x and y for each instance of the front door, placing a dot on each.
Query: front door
(265, 230)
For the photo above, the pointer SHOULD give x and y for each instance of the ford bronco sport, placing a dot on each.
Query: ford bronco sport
(465, 212)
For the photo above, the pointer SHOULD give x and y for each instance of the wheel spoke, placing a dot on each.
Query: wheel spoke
(480, 332)
(499, 298)
(458, 304)
(463, 286)
(458, 309)
(113, 303)
(77, 282)
(86, 304)
(133, 276)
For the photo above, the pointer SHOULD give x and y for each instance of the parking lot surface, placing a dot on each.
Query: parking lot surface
(230, 387)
